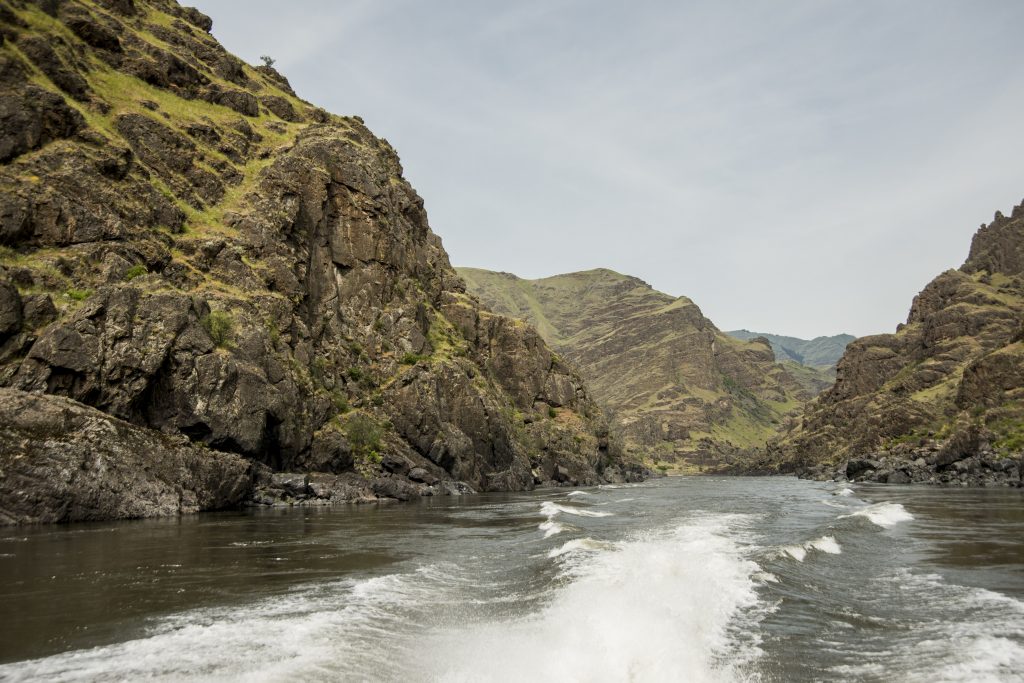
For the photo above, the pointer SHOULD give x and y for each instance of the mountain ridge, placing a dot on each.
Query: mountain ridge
(680, 390)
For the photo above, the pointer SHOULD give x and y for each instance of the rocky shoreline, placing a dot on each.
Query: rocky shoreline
(966, 459)
(62, 461)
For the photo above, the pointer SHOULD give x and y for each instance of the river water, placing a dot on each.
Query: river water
(679, 579)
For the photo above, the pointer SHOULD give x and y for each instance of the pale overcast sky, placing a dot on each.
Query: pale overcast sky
(794, 167)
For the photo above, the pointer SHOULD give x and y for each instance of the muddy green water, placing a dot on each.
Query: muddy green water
(705, 579)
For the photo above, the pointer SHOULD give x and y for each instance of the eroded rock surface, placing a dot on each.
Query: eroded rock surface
(61, 461)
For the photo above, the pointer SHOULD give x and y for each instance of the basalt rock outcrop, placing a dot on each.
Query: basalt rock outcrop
(942, 399)
(62, 461)
(684, 394)
(189, 247)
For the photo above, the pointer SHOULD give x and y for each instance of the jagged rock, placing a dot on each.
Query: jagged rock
(956, 369)
(196, 18)
(61, 461)
(32, 118)
(10, 310)
(241, 101)
(281, 107)
(94, 32)
(43, 56)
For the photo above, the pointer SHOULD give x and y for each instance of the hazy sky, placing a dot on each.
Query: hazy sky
(801, 168)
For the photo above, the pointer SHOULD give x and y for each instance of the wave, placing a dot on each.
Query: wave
(985, 642)
(825, 544)
(670, 606)
(883, 514)
(578, 544)
(550, 527)
(306, 634)
(550, 509)
(580, 493)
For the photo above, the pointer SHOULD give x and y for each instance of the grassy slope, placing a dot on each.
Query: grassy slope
(677, 384)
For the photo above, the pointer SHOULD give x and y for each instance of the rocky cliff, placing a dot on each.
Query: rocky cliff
(191, 249)
(942, 399)
(685, 394)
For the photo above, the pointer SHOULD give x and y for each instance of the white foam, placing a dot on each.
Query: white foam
(579, 493)
(797, 552)
(983, 643)
(550, 527)
(550, 509)
(825, 544)
(666, 607)
(304, 635)
(844, 492)
(884, 514)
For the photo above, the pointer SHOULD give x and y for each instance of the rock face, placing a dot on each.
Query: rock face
(682, 392)
(946, 389)
(62, 462)
(189, 247)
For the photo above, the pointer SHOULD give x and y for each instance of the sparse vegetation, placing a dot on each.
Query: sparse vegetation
(267, 60)
(78, 294)
(135, 271)
(364, 438)
(220, 326)
(412, 358)
(340, 402)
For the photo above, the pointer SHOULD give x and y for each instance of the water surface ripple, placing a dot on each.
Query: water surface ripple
(708, 579)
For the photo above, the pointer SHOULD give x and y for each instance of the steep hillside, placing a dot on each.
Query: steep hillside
(940, 400)
(681, 390)
(820, 352)
(192, 249)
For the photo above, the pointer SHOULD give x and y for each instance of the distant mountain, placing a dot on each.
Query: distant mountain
(681, 391)
(820, 352)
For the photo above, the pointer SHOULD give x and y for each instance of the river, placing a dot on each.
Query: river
(678, 579)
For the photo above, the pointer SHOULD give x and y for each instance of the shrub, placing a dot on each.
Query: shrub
(340, 402)
(267, 60)
(138, 270)
(364, 435)
(355, 374)
(552, 413)
(412, 358)
(220, 326)
(78, 294)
